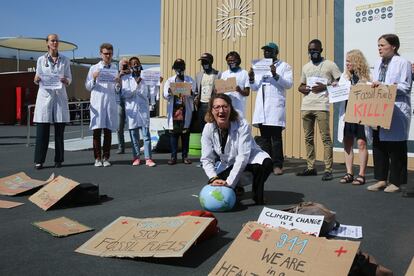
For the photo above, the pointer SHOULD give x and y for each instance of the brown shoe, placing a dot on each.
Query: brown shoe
(377, 186)
(187, 161)
(277, 171)
(391, 188)
(172, 161)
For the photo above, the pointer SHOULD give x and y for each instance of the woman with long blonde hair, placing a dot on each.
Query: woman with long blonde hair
(356, 71)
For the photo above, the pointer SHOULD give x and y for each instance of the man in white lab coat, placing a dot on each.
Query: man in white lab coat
(269, 113)
(101, 81)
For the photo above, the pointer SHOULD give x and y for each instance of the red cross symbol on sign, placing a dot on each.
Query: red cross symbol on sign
(197, 222)
(125, 222)
(340, 251)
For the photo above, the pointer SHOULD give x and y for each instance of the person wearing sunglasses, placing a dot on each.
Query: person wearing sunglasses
(52, 101)
(227, 137)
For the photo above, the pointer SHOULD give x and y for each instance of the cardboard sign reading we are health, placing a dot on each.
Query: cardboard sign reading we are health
(371, 106)
(181, 88)
(285, 252)
(150, 237)
(308, 224)
(223, 86)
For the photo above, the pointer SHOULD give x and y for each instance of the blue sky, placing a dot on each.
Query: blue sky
(133, 27)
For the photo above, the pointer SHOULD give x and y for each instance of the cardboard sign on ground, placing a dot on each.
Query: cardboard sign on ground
(308, 224)
(410, 271)
(5, 204)
(62, 227)
(223, 86)
(181, 88)
(150, 237)
(261, 250)
(371, 106)
(19, 183)
(50, 194)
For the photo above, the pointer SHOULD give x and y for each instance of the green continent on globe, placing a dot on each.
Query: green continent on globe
(202, 202)
(217, 195)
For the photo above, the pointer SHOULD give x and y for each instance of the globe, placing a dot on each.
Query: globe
(217, 198)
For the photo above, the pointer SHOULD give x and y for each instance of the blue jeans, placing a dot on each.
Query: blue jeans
(134, 133)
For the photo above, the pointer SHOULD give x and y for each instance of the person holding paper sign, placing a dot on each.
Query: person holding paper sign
(390, 145)
(238, 97)
(228, 137)
(52, 101)
(356, 71)
(103, 108)
(316, 75)
(179, 112)
(269, 113)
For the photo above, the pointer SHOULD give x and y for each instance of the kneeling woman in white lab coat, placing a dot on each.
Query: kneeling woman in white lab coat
(228, 138)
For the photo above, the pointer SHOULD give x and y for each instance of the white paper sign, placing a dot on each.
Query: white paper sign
(151, 77)
(262, 66)
(347, 231)
(305, 223)
(338, 93)
(312, 81)
(50, 81)
(107, 75)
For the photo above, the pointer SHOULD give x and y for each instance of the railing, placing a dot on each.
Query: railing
(79, 113)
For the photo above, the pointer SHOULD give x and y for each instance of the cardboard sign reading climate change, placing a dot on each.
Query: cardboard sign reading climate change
(53, 192)
(19, 183)
(181, 88)
(371, 106)
(261, 250)
(223, 86)
(150, 237)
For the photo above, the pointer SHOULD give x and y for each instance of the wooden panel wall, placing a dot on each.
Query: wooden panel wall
(188, 28)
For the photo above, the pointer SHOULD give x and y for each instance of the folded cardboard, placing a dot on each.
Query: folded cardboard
(150, 237)
(5, 204)
(20, 183)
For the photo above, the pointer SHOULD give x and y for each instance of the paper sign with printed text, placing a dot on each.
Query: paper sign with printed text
(261, 67)
(5, 204)
(261, 250)
(223, 86)
(338, 93)
(20, 183)
(150, 237)
(308, 224)
(62, 227)
(371, 106)
(151, 77)
(181, 88)
(50, 194)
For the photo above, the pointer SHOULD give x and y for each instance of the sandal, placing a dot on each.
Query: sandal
(359, 180)
(347, 178)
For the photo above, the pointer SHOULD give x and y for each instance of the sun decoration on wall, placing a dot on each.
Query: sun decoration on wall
(233, 18)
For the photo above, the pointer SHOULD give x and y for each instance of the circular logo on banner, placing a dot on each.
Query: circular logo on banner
(234, 18)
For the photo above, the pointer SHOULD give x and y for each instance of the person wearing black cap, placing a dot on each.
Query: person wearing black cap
(269, 113)
(204, 86)
(179, 112)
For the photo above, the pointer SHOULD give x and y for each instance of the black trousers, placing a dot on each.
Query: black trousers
(272, 143)
(260, 174)
(42, 142)
(98, 150)
(390, 160)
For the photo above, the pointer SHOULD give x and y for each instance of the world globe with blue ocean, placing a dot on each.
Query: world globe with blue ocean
(217, 198)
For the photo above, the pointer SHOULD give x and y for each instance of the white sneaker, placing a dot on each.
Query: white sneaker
(106, 163)
(98, 163)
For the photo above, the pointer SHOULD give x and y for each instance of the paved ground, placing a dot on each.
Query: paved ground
(387, 219)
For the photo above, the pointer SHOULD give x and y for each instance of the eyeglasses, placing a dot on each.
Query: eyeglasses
(218, 107)
(107, 54)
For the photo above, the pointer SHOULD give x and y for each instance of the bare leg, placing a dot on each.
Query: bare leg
(349, 153)
(363, 156)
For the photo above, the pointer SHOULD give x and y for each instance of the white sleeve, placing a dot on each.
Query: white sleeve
(208, 156)
(89, 83)
(68, 73)
(286, 79)
(166, 87)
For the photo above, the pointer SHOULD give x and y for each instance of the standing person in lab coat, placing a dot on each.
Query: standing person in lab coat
(51, 103)
(179, 113)
(135, 93)
(269, 113)
(390, 145)
(228, 138)
(239, 96)
(101, 81)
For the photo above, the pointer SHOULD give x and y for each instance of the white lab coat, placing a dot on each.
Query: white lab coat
(242, 80)
(52, 104)
(103, 107)
(270, 107)
(189, 102)
(341, 123)
(136, 102)
(240, 150)
(398, 72)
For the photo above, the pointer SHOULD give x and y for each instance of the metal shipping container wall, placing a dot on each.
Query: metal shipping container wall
(191, 27)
